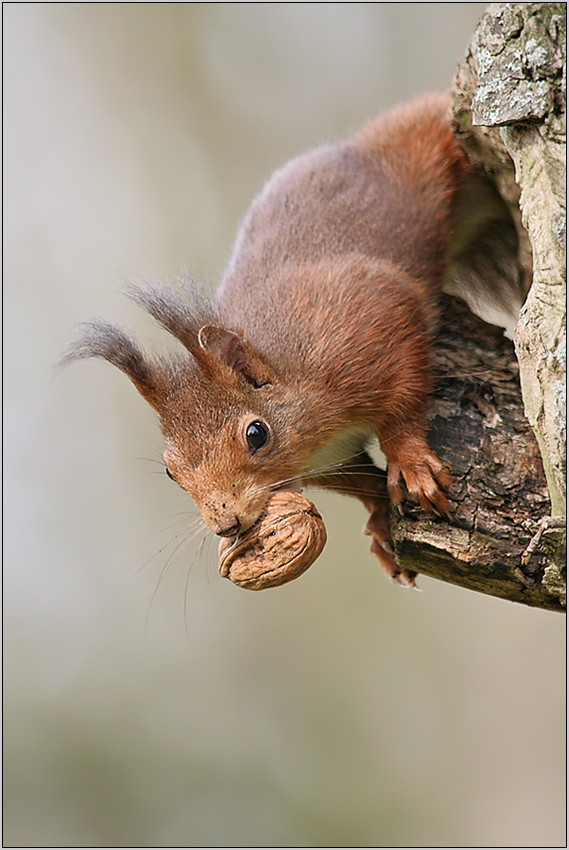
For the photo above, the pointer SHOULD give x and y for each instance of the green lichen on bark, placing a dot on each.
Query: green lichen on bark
(519, 51)
(510, 108)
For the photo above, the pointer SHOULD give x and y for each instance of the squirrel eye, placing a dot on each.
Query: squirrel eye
(257, 435)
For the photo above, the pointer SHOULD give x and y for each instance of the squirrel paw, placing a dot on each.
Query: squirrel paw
(377, 527)
(424, 476)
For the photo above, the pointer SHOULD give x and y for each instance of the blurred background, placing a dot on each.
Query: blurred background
(148, 701)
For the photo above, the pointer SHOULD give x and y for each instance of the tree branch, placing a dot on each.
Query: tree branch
(499, 493)
(509, 111)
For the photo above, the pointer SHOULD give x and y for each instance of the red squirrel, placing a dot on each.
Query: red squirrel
(319, 337)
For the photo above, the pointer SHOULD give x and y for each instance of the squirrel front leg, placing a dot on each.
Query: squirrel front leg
(401, 427)
(360, 477)
(413, 466)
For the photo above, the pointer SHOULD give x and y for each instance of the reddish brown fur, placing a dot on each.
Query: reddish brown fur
(322, 325)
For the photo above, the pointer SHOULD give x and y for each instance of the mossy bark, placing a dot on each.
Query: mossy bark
(509, 110)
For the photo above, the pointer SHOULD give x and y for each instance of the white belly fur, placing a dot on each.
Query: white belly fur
(340, 449)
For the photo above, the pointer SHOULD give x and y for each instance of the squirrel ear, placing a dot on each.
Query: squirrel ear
(226, 345)
(236, 353)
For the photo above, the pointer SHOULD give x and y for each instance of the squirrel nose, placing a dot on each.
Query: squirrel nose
(227, 517)
(231, 530)
(226, 522)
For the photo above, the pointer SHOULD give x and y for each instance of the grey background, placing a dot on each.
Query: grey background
(147, 700)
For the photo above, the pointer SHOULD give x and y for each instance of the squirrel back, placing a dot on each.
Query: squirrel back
(388, 196)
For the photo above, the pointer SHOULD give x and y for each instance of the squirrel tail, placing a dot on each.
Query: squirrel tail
(485, 267)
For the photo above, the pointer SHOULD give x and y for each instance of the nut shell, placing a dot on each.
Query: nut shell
(281, 545)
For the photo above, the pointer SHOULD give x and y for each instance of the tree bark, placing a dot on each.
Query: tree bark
(498, 419)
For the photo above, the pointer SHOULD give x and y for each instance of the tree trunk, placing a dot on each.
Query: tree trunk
(509, 470)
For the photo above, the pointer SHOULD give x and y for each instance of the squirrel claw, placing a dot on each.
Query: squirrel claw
(425, 477)
(406, 579)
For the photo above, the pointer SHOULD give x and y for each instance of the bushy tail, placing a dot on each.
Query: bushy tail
(485, 267)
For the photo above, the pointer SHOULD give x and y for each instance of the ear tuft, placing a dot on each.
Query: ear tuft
(169, 310)
(99, 338)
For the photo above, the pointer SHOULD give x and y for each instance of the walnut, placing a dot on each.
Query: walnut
(281, 545)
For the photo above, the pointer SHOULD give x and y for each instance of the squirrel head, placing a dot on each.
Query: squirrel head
(227, 416)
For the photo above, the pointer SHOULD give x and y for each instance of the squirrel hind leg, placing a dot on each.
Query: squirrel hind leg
(378, 528)
(361, 478)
